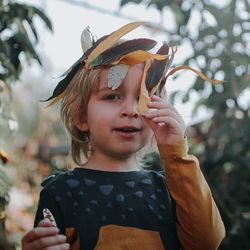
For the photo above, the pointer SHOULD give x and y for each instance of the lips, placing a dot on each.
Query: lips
(127, 132)
(127, 129)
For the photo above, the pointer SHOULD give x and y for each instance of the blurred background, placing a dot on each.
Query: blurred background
(39, 40)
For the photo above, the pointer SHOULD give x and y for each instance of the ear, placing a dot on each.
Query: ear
(82, 125)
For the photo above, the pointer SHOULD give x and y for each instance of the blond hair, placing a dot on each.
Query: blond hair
(74, 110)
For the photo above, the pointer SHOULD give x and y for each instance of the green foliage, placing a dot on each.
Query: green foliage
(222, 143)
(17, 36)
(159, 4)
(4, 189)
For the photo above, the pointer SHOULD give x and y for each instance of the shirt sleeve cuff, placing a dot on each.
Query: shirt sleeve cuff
(174, 151)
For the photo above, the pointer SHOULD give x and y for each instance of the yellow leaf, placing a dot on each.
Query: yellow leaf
(201, 75)
(144, 97)
(110, 40)
(137, 57)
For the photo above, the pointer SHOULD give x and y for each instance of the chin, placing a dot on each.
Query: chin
(123, 155)
(126, 153)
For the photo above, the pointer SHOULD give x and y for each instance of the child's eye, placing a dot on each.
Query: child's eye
(111, 97)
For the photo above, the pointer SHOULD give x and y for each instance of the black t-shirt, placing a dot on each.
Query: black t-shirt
(84, 202)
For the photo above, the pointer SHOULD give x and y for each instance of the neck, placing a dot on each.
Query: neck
(112, 164)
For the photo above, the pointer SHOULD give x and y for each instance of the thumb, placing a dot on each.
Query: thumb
(45, 223)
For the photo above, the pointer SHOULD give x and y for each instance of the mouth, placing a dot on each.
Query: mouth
(127, 129)
(127, 132)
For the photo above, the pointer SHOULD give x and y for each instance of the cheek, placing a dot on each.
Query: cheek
(100, 120)
(148, 132)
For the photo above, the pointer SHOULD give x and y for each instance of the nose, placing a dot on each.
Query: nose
(130, 108)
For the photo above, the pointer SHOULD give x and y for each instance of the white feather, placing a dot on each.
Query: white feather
(86, 39)
(48, 215)
(116, 75)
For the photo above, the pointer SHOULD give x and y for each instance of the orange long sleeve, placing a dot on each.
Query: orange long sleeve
(200, 226)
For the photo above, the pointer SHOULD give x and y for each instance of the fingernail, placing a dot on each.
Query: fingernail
(62, 237)
(55, 229)
(66, 246)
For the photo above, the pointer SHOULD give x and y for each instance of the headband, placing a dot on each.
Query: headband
(109, 51)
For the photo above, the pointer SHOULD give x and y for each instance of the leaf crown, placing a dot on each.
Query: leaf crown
(110, 51)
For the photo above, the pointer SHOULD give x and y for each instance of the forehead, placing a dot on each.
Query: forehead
(134, 75)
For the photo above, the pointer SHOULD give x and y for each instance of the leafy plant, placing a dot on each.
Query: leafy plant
(18, 37)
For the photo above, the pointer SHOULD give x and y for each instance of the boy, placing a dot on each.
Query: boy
(111, 105)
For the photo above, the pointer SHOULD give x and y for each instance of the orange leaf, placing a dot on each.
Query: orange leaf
(144, 96)
(137, 57)
(201, 75)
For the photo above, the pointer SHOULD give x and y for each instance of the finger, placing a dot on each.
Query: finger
(58, 247)
(161, 105)
(155, 97)
(45, 223)
(170, 122)
(164, 112)
(39, 232)
(45, 242)
(158, 103)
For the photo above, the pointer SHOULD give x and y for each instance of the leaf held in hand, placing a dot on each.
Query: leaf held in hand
(156, 71)
(144, 95)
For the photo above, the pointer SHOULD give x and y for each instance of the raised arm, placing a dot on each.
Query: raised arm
(199, 221)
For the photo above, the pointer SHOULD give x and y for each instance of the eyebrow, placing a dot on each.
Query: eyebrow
(105, 89)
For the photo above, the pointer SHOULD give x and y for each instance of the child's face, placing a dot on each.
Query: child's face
(116, 128)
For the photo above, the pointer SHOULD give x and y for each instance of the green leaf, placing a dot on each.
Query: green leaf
(5, 61)
(5, 185)
(123, 2)
(32, 27)
(186, 97)
(42, 16)
(159, 4)
(27, 46)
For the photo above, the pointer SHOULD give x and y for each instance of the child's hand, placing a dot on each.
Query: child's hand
(44, 236)
(165, 121)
